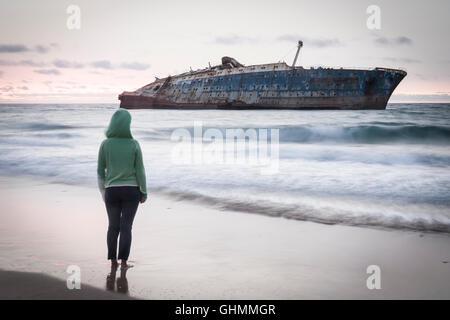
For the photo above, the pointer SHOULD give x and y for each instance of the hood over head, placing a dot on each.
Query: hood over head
(119, 126)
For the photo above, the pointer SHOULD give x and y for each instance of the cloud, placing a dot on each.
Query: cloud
(48, 71)
(59, 63)
(41, 49)
(17, 48)
(234, 39)
(402, 40)
(424, 77)
(67, 64)
(312, 42)
(135, 65)
(6, 89)
(107, 65)
(402, 60)
(29, 63)
(1, 74)
(12, 48)
(23, 88)
(102, 64)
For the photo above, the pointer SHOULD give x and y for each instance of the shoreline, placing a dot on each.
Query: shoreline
(218, 204)
(184, 250)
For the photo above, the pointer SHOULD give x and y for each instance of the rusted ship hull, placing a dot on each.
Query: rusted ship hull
(270, 86)
(319, 103)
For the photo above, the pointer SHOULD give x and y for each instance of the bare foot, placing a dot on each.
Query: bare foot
(124, 265)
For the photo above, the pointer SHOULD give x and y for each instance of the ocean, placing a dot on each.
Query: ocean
(385, 168)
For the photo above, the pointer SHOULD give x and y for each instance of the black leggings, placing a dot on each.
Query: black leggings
(121, 205)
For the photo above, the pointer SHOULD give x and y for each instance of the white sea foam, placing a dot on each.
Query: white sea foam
(380, 168)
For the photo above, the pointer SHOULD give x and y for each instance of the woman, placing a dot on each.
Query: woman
(122, 183)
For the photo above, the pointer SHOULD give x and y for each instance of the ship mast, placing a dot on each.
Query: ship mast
(300, 44)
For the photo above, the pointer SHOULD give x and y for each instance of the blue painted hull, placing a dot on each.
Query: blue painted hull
(254, 88)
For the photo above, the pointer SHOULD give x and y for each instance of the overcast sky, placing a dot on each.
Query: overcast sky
(123, 45)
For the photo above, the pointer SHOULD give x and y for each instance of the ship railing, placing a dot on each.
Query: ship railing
(353, 68)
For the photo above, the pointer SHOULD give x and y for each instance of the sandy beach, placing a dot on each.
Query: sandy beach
(184, 250)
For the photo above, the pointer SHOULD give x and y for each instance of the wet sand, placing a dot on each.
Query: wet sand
(185, 250)
(16, 285)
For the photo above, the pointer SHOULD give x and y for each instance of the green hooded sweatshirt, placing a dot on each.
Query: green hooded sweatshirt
(120, 158)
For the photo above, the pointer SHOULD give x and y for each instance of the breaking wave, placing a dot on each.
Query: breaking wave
(307, 212)
(361, 134)
(41, 126)
(367, 134)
